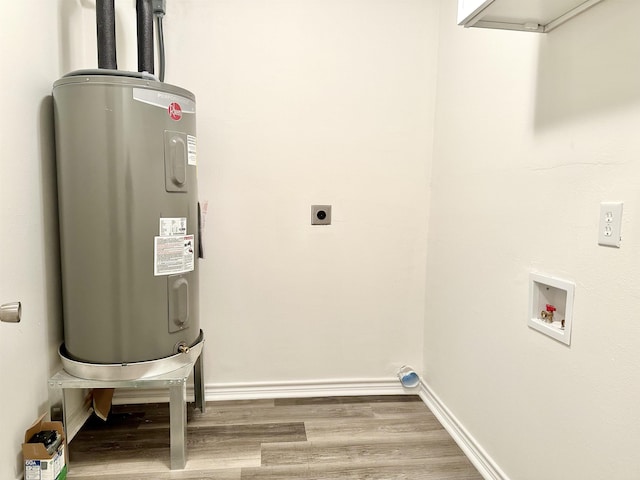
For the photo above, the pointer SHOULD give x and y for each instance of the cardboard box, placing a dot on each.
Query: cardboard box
(40, 464)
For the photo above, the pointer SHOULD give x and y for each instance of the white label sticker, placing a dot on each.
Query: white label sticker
(32, 470)
(192, 150)
(173, 226)
(173, 254)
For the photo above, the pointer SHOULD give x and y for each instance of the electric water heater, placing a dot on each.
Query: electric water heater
(129, 216)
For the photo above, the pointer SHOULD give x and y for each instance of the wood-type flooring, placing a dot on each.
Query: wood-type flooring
(335, 438)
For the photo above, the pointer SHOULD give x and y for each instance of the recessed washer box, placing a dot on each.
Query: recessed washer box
(551, 306)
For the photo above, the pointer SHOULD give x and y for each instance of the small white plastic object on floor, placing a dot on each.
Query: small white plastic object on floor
(408, 377)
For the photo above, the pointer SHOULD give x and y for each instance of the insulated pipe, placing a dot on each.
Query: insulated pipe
(160, 34)
(144, 15)
(106, 28)
(159, 11)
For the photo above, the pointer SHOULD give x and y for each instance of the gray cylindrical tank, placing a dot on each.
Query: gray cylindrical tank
(129, 221)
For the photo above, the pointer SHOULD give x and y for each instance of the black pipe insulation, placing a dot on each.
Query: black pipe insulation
(106, 27)
(144, 15)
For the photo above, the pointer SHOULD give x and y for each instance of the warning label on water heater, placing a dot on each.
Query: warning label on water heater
(173, 226)
(173, 254)
(192, 158)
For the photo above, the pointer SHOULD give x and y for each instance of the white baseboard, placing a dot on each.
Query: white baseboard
(268, 390)
(328, 388)
(471, 448)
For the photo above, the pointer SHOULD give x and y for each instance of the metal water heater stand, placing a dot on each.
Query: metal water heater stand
(175, 381)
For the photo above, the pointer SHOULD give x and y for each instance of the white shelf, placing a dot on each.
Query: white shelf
(525, 15)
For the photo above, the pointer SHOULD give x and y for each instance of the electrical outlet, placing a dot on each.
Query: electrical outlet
(320, 214)
(610, 224)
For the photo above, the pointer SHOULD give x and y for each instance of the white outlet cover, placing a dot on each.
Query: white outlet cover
(549, 290)
(610, 224)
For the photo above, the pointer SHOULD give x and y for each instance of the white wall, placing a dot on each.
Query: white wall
(29, 262)
(305, 102)
(532, 133)
(300, 102)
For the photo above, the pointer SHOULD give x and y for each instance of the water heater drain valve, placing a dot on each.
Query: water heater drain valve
(182, 347)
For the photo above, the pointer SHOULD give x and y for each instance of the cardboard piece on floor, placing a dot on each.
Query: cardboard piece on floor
(102, 398)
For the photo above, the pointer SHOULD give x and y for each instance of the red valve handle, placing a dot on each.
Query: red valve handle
(551, 308)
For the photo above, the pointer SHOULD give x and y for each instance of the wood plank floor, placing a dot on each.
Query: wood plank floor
(336, 438)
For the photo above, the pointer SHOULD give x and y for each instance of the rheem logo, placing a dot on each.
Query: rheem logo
(175, 111)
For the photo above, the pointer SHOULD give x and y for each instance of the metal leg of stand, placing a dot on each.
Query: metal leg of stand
(178, 424)
(65, 424)
(198, 384)
(65, 413)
